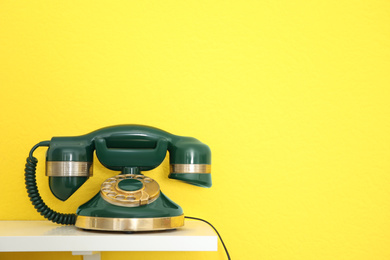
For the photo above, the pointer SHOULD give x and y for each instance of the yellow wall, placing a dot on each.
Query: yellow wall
(291, 96)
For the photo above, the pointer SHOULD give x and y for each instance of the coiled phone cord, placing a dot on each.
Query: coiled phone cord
(227, 253)
(35, 197)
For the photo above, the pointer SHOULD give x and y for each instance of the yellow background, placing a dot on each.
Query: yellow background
(291, 96)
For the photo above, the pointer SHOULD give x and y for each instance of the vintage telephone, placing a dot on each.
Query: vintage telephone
(129, 201)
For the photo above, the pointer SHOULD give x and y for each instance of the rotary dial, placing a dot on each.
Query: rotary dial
(130, 190)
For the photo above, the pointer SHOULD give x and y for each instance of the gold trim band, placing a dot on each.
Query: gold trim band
(190, 168)
(68, 169)
(129, 224)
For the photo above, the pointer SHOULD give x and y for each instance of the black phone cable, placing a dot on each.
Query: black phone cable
(227, 253)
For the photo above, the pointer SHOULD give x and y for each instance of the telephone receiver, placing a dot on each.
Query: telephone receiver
(129, 201)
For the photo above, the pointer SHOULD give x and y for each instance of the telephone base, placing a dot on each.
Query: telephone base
(129, 224)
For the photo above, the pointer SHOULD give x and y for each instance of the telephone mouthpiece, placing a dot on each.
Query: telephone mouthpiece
(68, 165)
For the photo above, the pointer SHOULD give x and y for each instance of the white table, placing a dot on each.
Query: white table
(45, 236)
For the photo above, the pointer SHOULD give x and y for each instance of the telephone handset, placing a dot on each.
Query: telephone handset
(129, 201)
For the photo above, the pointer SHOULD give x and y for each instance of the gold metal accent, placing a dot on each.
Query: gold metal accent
(129, 224)
(190, 168)
(111, 192)
(68, 169)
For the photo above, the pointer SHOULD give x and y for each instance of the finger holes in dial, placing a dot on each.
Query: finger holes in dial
(111, 194)
(130, 198)
(120, 197)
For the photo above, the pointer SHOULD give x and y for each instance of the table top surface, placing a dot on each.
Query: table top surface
(34, 236)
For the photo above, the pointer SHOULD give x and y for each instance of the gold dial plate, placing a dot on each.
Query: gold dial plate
(111, 192)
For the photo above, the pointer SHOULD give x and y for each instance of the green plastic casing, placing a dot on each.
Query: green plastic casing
(161, 207)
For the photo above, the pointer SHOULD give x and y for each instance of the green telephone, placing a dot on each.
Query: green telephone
(129, 201)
